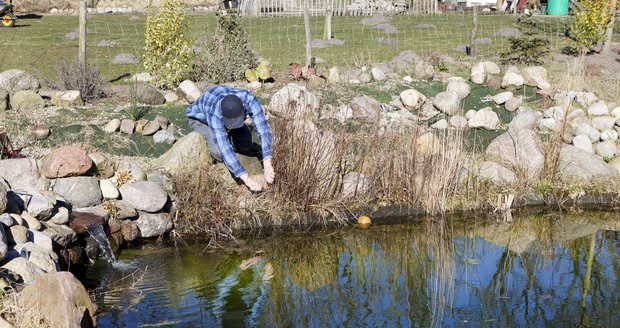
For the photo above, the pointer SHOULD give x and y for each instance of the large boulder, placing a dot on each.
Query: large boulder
(486, 119)
(22, 173)
(448, 102)
(36, 203)
(153, 224)
(577, 164)
(147, 94)
(294, 101)
(26, 100)
(424, 70)
(25, 270)
(512, 80)
(66, 161)
(145, 196)
(412, 98)
(496, 173)
(535, 76)
(60, 299)
(16, 80)
(61, 235)
(520, 151)
(365, 108)
(189, 91)
(43, 257)
(189, 154)
(461, 88)
(79, 191)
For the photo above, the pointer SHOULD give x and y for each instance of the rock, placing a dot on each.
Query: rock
(124, 210)
(512, 80)
(103, 165)
(26, 270)
(502, 97)
(470, 113)
(616, 112)
(584, 143)
(427, 144)
(84, 219)
(535, 76)
(424, 70)
(31, 222)
(153, 224)
(36, 203)
(254, 85)
(61, 216)
(43, 257)
(127, 126)
(61, 235)
(59, 290)
(164, 136)
(40, 131)
(440, 125)
(79, 191)
(144, 195)
(162, 121)
(447, 102)
(598, 109)
(586, 99)
(294, 101)
(150, 128)
(147, 94)
(513, 104)
(355, 183)
(142, 77)
(129, 230)
(494, 83)
(171, 97)
(491, 68)
(7, 219)
(4, 100)
(18, 234)
(66, 161)
(108, 189)
(4, 248)
(606, 149)
(458, 122)
(478, 74)
(26, 100)
(70, 98)
(334, 75)
(520, 151)
(377, 74)
(556, 113)
(486, 119)
(609, 135)
(412, 98)
(365, 108)
(496, 173)
(189, 91)
(125, 59)
(602, 123)
(548, 124)
(461, 88)
(404, 61)
(3, 198)
(189, 154)
(16, 80)
(134, 169)
(576, 164)
(615, 163)
(41, 240)
(587, 129)
(112, 126)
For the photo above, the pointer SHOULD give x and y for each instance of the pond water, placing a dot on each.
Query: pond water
(537, 270)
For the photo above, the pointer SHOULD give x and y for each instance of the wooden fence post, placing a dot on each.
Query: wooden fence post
(308, 38)
(82, 32)
(474, 29)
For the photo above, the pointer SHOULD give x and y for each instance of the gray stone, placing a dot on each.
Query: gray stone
(108, 189)
(365, 108)
(447, 102)
(513, 104)
(163, 121)
(60, 234)
(144, 195)
(43, 257)
(424, 70)
(16, 80)
(609, 135)
(576, 164)
(61, 216)
(294, 101)
(486, 119)
(7, 219)
(548, 124)
(26, 100)
(103, 165)
(129, 230)
(458, 121)
(171, 97)
(606, 149)
(496, 173)
(584, 143)
(79, 191)
(412, 99)
(18, 234)
(125, 58)
(36, 203)
(127, 126)
(598, 109)
(587, 129)
(461, 88)
(124, 210)
(31, 222)
(377, 74)
(164, 136)
(188, 90)
(153, 224)
(24, 269)
(602, 123)
(150, 128)
(112, 126)
(189, 154)
(520, 151)
(147, 94)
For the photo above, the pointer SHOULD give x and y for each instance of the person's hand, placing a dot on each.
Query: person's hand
(251, 183)
(268, 171)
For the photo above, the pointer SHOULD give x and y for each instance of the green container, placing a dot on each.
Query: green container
(557, 7)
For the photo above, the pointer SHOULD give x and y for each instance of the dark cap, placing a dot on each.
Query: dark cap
(233, 113)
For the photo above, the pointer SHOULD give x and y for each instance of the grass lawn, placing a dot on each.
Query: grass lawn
(40, 44)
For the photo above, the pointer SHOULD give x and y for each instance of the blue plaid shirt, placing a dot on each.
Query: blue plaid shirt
(207, 110)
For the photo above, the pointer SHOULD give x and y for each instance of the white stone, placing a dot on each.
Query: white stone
(377, 74)
(496, 173)
(171, 97)
(112, 126)
(461, 88)
(526, 119)
(485, 119)
(407, 79)
(470, 113)
(587, 129)
(602, 123)
(609, 135)
(478, 74)
(440, 125)
(548, 124)
(108, 189)
(556, 113)
(502, 97)
(583, 142)
(513, 104)
(606, 149)
(491, 68)
(254, 85)
(598, 109)
(512, 80)
(412, 98)
(447, 102)
(458, 121)
(585, 99)
(189, 90)
(334, 75)
(142, 77)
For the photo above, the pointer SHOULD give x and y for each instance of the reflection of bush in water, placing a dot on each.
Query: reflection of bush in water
(312, 264)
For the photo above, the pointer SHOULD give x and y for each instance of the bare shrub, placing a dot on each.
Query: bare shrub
(73, 76)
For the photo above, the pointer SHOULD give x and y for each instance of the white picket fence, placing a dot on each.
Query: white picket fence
(337, 7)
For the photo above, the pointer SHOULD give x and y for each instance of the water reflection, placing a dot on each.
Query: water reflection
(535, 271)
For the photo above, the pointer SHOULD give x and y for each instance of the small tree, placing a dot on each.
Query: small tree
(591, 23)
(531, 47)
(227, 54)
(168, 48)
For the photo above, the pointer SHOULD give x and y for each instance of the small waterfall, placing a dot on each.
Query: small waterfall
(97, 232)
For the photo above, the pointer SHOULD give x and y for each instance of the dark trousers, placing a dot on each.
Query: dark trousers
(241, 139)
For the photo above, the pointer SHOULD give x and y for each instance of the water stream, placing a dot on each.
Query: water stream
(541, 270)
(105, 250)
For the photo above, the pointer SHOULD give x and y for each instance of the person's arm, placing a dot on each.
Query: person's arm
(264, 133)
